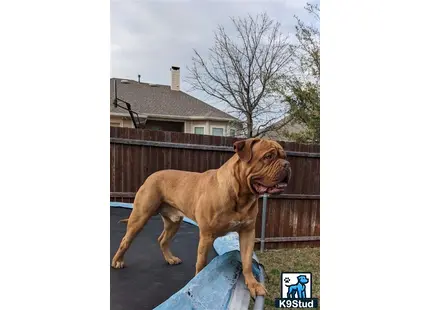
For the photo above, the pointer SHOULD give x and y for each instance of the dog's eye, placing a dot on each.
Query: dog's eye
(268, 156)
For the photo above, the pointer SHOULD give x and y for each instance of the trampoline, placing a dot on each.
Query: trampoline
(149, 281)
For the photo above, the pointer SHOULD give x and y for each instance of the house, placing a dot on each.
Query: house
(166, 107)
(282, 133)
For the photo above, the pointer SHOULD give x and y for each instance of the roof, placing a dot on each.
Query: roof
(159, 100)
(280, 133)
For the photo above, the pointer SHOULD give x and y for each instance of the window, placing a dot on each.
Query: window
(217, 131)
(232, 132)
(115, 124)
(199, 130)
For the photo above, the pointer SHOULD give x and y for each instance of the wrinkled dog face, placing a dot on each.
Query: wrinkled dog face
(266, 167)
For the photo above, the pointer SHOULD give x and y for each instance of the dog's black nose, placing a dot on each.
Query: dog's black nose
(286, 164)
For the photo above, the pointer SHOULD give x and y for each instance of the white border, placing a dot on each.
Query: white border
(374, 154)
(55, 155)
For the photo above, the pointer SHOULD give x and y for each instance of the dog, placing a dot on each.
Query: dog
(298, 289)
(219, 200)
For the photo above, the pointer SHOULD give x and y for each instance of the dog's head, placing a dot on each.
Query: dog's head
(264, 164)
(302, 279)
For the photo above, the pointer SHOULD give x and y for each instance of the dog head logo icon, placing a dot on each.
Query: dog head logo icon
(296, 291)
(296, 285)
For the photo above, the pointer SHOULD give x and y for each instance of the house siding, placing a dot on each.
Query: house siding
(122, 121)
(188, 127)
(193, 124)
(208, 125)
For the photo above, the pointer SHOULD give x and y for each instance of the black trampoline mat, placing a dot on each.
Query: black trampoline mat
(147, 280)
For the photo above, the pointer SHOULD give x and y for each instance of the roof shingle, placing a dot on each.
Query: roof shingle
(150, 99)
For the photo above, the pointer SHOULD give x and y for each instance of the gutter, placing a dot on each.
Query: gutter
(126, 114)
(174, 117)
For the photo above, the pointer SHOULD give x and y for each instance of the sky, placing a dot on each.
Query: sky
(149, 36)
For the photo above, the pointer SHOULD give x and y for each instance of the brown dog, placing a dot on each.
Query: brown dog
(219, 200)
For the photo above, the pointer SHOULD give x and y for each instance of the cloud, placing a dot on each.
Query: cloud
(148, 37)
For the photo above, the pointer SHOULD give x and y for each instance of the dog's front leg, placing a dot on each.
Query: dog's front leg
(205, 243)
(247, 240)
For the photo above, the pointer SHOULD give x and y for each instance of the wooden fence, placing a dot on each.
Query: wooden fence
(292, 218)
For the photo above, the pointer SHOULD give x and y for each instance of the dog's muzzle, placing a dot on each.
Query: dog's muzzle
(279, 187)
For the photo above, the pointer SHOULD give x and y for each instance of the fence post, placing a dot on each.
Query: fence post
(263, 223)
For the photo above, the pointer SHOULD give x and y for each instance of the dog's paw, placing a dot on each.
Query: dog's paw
(173, 260)
(256, 289)
(118, 264)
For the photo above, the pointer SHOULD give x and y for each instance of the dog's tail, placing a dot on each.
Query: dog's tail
(123, 221)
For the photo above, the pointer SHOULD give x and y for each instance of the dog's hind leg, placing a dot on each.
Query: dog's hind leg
(144, 207)
(301, 292)
(171, 226)
(291, 292)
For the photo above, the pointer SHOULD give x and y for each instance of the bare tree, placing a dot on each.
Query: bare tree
(240, 67)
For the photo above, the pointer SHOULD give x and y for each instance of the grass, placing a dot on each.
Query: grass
(294, 259)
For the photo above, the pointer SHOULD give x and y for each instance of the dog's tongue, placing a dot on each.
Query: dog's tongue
(275, 190)
(261, 189)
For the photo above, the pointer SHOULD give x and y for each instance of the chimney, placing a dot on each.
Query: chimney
(176, 78)
(138, 78)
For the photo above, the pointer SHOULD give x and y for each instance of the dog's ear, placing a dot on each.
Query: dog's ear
(243, 148)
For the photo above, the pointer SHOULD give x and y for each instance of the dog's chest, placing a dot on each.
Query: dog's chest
(233, 222)
(235, 219)
(234, 225)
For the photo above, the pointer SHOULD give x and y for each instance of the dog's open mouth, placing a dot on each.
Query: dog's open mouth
(261, 189)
